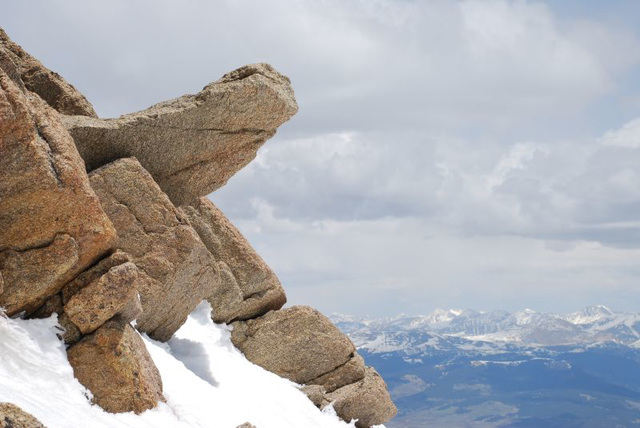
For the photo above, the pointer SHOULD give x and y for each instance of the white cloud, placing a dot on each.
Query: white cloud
(627, 136)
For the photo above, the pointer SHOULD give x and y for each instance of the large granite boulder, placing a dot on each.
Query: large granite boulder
(50, 86)
(193, 144)
(297, 343)
(250, 287)
(114, 364)
(12, 416)
(368, 401)
(180, 272)
(45, 239)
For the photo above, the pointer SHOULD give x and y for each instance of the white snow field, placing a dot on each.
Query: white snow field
(207, 382)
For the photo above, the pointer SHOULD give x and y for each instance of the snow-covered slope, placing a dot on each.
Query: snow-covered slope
(207, 382)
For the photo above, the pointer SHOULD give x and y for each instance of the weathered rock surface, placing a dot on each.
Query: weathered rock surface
(246, 425)
(297, 343)
(113, 363)
(33, 275)
(367, 400)
(43, 235)
(350, 372)
(50, 86)
(94, 272)
(114, 293)
(181, 272)
(12, 416)
(193, 144)
(248, 288)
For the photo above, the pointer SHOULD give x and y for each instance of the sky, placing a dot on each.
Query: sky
(476, 154)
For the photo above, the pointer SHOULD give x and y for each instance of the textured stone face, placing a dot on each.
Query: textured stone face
(12, 416)
(297, 343)
(44, 235)
(192, 145)
(180, 272)
(350, 372)
(113, 293)
(367, 400)
(113, 363)
(93, 273)
(248, 287)
(50, 86)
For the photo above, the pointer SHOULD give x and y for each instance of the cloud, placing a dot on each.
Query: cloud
(627, 136)
(446, 153)
(475, 65)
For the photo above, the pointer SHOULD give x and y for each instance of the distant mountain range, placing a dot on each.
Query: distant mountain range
(487, 369)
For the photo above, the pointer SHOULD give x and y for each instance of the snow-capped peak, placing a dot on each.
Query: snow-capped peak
(589, 315)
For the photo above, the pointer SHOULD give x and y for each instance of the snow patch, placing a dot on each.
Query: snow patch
(207, 382)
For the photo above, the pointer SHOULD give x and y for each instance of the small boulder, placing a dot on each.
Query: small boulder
(12, 416)
(297, 343)
(368, 401)
(114, 293)
(248, 287)
(114, 364)
(193, 144)
(178, 269)
(94, 272)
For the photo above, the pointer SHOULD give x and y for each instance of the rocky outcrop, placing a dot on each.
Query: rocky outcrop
(367, 401)
(298, 343)
(192, 145)
(45, 240)
(250, 288)
(50, 86)
(12, 416)
(58, 235)
(246, 425)
(114, 364)
(179, 270)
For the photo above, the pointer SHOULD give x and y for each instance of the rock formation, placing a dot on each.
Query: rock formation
(179, 270)
(45, 240)
(12, 416)
(53, 230)
(137, 239)
(219, 129)
(249, 287)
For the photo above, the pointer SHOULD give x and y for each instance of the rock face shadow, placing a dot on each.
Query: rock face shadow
(194, 356)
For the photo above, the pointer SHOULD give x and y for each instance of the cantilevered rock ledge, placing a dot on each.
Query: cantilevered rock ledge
(193, 144)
